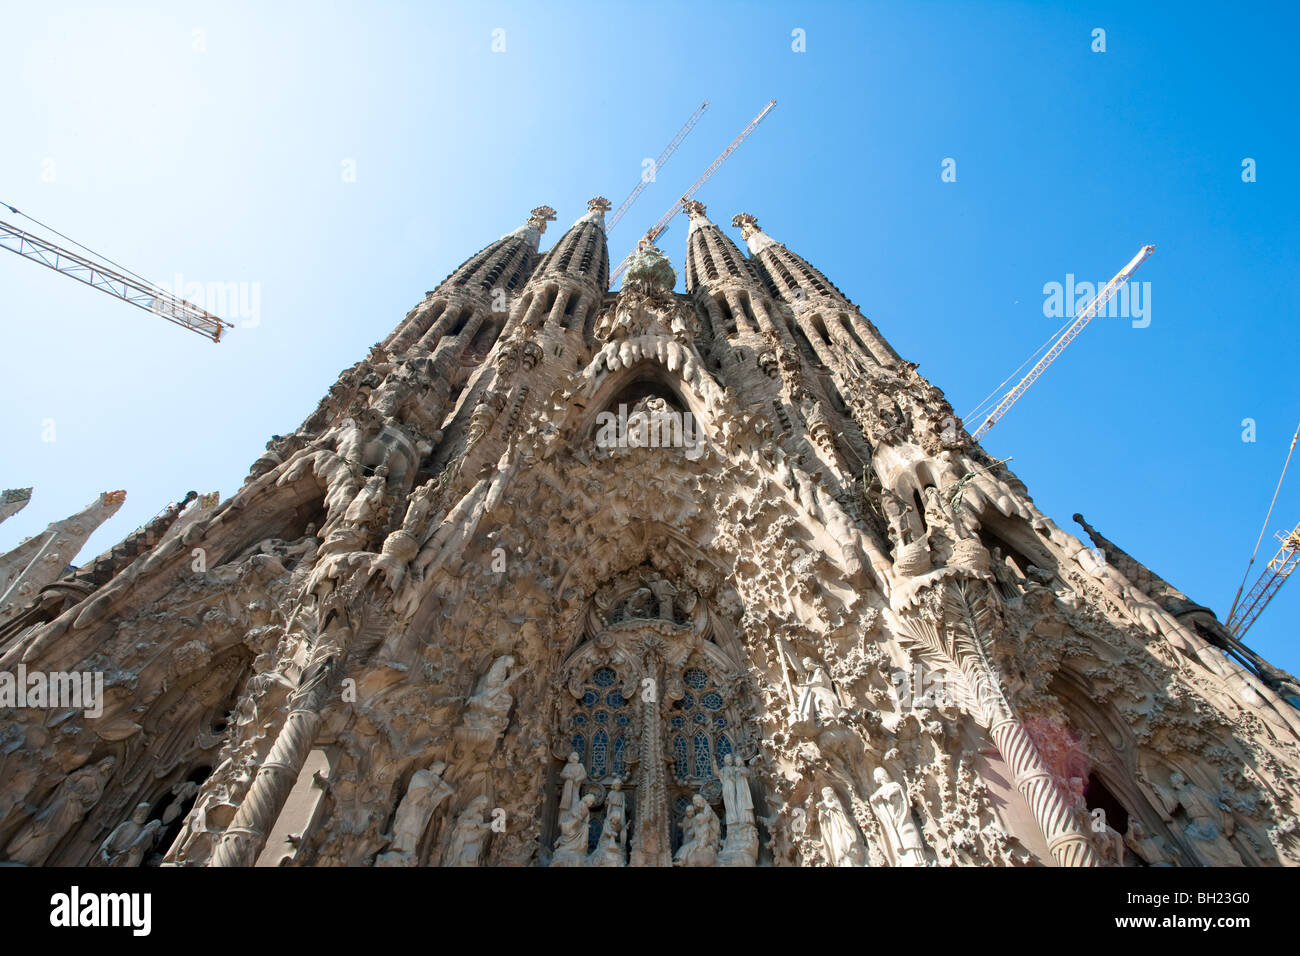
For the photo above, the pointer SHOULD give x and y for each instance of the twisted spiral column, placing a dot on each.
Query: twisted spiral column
(261, 806)
(1068, 845)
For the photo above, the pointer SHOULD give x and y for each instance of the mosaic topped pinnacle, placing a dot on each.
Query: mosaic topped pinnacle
(541, 216)
(696, 211)
(755, 238)
(651, 267)
(596, 209)
(536, 225)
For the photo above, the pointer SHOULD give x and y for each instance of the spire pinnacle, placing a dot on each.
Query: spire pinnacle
(536, 225)
(540, 217)
(696, 211)
(755, 238)
(596, 209)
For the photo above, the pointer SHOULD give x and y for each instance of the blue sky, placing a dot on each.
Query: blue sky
(212, 141)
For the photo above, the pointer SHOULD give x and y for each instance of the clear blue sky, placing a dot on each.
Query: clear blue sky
(219, 155)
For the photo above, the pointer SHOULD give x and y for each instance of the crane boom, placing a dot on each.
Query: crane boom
(657, 229)
(136, 291)
(663, 158)
(1066, 338)
(1269, 582)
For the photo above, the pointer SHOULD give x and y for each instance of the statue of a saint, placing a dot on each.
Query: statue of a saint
(130, 840)
(468, 835)
(575, 825)
(611, 849)
(573, 775)
(737, 799)
(1209, 823)
(706, 831)
(488, 710)
(840, 841)
(817, 698)
(894, 811)
(424, 793)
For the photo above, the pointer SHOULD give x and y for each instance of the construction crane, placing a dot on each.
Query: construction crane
(1243, 613)
(658, 228)
(1271, 579)
(118, 282)
(1081, 320)
(658, 165)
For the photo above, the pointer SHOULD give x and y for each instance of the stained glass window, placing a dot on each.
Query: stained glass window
(599, 725)
(696, 756)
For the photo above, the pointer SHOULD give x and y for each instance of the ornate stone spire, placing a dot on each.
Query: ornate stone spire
(581, 252)
(536, 225)
(596, 209)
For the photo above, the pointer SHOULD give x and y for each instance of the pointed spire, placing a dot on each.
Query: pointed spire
(43, 558)
(596, 209)
(755, 238)
(581, 253)
(536, 225)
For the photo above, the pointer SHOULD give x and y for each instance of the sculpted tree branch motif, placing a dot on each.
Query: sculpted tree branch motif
(953, 624)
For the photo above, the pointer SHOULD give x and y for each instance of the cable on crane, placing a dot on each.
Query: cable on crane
(1264, 528)
(1050, 339)
(97, 255)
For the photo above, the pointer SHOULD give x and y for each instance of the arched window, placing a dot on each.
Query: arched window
(701, 731)
(600, 725)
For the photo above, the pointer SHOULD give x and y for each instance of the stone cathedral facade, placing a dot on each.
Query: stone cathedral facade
(558, 576)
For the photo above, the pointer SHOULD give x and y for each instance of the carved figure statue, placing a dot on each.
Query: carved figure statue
(130, 840)
(1149, 847)
(573, 775)
(72, 800)
(468, 835)
(612, 846)
(894, 811)
(425, 792)
(1208, 825)
(575, 823)
(701, 849)
(365, 506)
(817, 697)
(841, 843)
(488, 710)
(737, 799)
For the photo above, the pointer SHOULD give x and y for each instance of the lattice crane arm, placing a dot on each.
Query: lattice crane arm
(657, 229)
(1267, 585)
(659, 163)
(136, 291)
(1066, 338)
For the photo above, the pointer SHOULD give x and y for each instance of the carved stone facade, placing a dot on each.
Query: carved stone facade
(449, 622)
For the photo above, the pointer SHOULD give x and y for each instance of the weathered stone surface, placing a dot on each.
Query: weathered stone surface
(826, 630)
